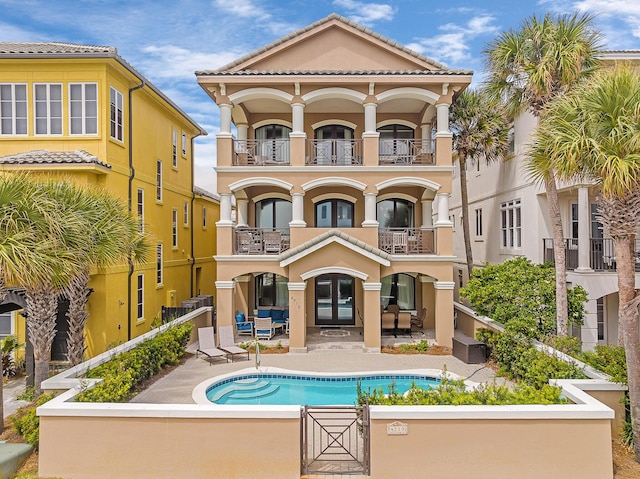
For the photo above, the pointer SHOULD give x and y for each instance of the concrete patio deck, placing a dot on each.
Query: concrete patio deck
(332, 354)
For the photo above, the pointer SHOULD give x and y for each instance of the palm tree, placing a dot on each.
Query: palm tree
(529, 67)
(113, 237)
(594, 134)
(480, 131)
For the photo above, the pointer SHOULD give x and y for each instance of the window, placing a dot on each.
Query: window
(184, 144)
(6, 324)
(273, 213)
(185, 214)
(115, 98)
(13, 109)
(141, 209)
(479, 222)
(48, 108)
(512, 141)
(174, 148)
(460, 278)
(140, 296)
(398, 289)
(204, 217)
(159, 180)
(511, 224)
(395, 213)
(174, 228)
(159, 264)
(271, 290)
(83, 108)
(600, 319)
(334, 214)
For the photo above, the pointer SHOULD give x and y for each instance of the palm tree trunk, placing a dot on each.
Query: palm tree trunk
(628, 322)
(559, 255)
(77, 292)
(465, 213)
(42, 306)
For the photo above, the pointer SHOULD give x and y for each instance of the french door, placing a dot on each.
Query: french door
(335, 304)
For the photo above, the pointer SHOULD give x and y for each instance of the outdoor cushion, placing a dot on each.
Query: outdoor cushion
(264, 313)
(286, 314)
(240, 318)
(277, 315)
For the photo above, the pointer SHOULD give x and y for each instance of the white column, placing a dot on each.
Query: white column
(427, 213)
(442, 115)
(242, 207)
(443, 210)
(297, 117)
(584, 230)
(370, 210)
(297, 211)
(225, 119)
(242, 137)
(370, 117)
(225, 210)
(426, 138)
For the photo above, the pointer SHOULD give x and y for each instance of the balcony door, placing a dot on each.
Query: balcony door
(334, 214)
(272, 143)
(335, 305)
(334, 145)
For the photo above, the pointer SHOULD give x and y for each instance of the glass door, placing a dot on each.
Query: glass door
(335, 304)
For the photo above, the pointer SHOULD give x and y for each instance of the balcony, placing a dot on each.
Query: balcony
(402, 151)
(258, 241)
(602, 253)
(406, 240)
(333, 152)
(262, 152)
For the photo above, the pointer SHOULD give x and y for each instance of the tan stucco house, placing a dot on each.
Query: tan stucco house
(334, 149)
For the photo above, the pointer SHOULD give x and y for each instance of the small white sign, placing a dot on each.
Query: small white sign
(397, 429)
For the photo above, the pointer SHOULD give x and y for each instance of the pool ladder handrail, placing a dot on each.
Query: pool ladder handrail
(257, 354)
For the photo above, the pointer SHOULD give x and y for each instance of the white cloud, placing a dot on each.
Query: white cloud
(170, 61)
(13, 33)
(366, 13)
(453, 45)
(241, 10)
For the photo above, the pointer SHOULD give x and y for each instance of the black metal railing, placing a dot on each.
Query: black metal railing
(261, 240)
(276, 152)
(333, 152)
(602, 253)
(406, 240)
(404, 151)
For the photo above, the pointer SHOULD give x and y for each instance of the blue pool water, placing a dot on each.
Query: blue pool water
(297, 389)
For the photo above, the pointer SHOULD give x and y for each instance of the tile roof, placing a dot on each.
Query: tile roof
(322, 21)
(335, 72)
(46, 157)
(207, 194)
(75, 50)
(338, 234)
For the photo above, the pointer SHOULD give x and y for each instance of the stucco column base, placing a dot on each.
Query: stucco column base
(370, 148)
(297, 318)
(224, 147)
(444, 313)
(297, 145)
(444, 142)
(224, 239)
(371, 315)
(225, 304)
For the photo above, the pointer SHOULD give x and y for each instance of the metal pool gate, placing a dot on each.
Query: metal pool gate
(334, 440)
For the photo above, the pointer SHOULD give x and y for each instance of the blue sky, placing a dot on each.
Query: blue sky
(167, 40)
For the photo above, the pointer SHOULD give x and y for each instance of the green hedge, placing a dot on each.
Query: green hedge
(455, 393)
(124, 372)
(27, 423)
(518, 359)
(609, 359)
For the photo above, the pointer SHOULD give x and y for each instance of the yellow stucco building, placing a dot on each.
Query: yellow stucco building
(85, 113)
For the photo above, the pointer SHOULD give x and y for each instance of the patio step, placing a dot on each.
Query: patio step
(268, 391)
(252, 387)
(341, 345)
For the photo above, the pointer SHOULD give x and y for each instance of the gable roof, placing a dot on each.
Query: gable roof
(236, 66)
(334, 236)
(46, 157)
(75, 50)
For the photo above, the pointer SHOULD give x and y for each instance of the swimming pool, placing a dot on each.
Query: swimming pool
(298, 388)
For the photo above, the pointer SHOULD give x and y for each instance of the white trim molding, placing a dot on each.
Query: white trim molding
(297, 286)
(334, 269)
(225, 284)
(258, 181)
(408, 180)
(260, 93)
(444, 285)
(334, 92)
(408, 92)
(333, 181)
(372, 286)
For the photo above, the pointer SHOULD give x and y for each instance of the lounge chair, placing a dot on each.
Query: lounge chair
(264, 328)
(227, 344)
(207, 345)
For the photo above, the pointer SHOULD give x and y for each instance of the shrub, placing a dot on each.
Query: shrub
(455, 393)
(609, 359)
(27, 423)
(124, 372)
(518, 359)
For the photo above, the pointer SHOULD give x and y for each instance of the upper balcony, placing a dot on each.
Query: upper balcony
(602, 253)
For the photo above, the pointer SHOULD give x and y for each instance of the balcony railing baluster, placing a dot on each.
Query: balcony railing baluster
(406, 240)
(260, 240)
(275, 152)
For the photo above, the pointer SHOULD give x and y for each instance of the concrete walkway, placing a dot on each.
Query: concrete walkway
(177, 386)
(9, 392)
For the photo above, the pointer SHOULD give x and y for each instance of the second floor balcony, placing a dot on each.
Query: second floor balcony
(602, 253)
(406, 240)
(258, 241)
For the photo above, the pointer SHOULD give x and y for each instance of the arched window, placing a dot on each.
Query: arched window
(400, 289)
(395, 213)
(394, 140)
(333, 145)
(272, 143)
(334, 214)
(273, 213)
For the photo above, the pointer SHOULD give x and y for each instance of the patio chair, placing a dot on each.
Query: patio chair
(247, 243)
(227, 344)
(272, 241)
(388, 320)
(207, 345)
(264, 328)
(242, 325)
(399, 242)
(418, 321)
(404, 322)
